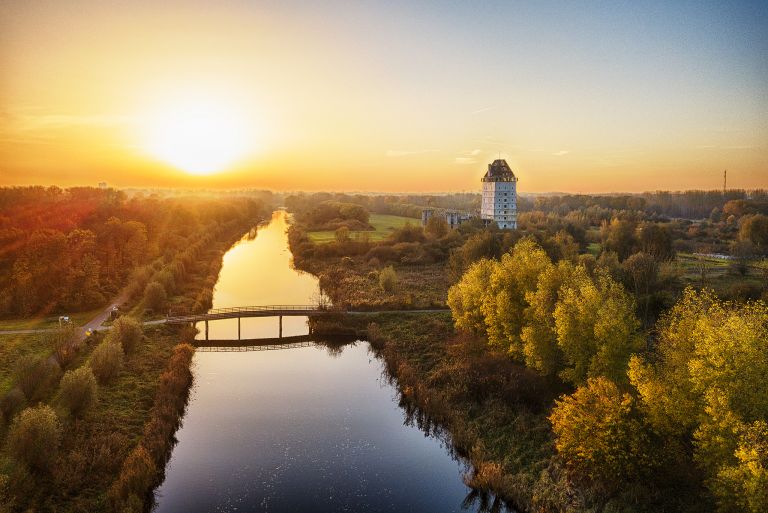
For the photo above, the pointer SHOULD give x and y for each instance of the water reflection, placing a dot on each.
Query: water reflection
(316, 427)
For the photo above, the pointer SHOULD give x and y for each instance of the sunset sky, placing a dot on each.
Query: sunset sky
(384, 96)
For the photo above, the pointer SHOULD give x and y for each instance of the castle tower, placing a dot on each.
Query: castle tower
(500, 195)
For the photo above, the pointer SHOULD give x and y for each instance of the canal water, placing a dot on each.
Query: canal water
(301, 429)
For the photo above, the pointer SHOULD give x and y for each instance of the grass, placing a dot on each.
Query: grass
(383, 225)
(78, 319)
(94, 448)
(594, 248)
(12, 348)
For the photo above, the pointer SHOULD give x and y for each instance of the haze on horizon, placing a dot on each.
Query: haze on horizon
(384, 96)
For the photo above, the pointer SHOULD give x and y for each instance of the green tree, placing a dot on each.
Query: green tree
(106, 360)
(155, 296)
(34, 437)
(619, 236)
(127, 332)
(78, 390)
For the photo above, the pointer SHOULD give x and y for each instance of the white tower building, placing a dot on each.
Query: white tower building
(500, 195)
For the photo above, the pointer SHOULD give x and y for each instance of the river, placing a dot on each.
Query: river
(301, 429)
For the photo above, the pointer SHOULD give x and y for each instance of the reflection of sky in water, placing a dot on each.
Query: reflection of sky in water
(297, 430)
(259, 272)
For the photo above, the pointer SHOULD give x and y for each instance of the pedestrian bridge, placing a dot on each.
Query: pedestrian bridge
(240, 312)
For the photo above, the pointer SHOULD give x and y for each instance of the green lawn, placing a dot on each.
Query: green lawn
(78, 319)
(384, 225)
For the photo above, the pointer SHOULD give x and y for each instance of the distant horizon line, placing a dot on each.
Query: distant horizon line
(379, 193)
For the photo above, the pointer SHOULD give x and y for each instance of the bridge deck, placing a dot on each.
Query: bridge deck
(254, 311)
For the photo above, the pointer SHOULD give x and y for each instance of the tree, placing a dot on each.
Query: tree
(754, 228)
(656, 241)
(599, 434)
(437, 227)
(341, 234)
(35, 437)
(539, 336)
(505, 300)
(619, 236)
(641, 274)
(708, 380)
(77, 390)
(743, 485)
(388, 279)
(597, 329)
(155, 296)
(465, 298)
(106, 360)
(127, 332)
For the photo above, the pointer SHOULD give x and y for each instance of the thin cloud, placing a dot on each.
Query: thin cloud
(405, 153)
(484, 109)
(561, 153)
(465, 160)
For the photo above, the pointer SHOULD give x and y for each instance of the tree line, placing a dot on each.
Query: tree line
(682, 403)
(65, 250)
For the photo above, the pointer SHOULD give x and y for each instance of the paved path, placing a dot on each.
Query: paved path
(103, 315)
(80, 331)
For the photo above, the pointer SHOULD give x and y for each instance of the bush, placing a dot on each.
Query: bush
(37, 377)
(128, 332)
(388, 279)
(106, 360)
(78, 389)
(11, 403)
(35, 437)
(155, 296)
(136, 478)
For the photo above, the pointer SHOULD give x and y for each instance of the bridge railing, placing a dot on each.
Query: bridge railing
(256, 308)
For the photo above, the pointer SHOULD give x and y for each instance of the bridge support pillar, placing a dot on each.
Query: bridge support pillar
(281, 327)
(238, 328)
(206, 329)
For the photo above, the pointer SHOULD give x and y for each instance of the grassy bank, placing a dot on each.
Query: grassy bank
(383, 226)
(112, 456)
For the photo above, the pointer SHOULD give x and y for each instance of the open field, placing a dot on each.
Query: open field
(383, 225)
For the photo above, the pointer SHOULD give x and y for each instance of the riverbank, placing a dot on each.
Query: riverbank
(137, 410)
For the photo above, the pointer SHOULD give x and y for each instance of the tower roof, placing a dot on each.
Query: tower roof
(499, 171)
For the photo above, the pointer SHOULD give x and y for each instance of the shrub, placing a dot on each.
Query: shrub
(106, 360)
(155, 296)
(11, 403)
(78, 389)
(128, 332)
(36, 377)
(34, 437)
(136, 478)
(388, 279)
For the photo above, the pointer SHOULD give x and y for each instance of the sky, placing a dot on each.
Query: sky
(384, 96)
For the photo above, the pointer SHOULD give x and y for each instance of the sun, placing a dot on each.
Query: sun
(198, 135)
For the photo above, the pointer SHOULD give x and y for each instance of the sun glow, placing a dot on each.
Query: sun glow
(199, 136)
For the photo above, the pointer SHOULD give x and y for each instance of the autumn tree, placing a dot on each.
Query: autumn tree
(599, 434)
(34, 437)
(465, 299)
(619, 236)
(597, 329)
(708, 381)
